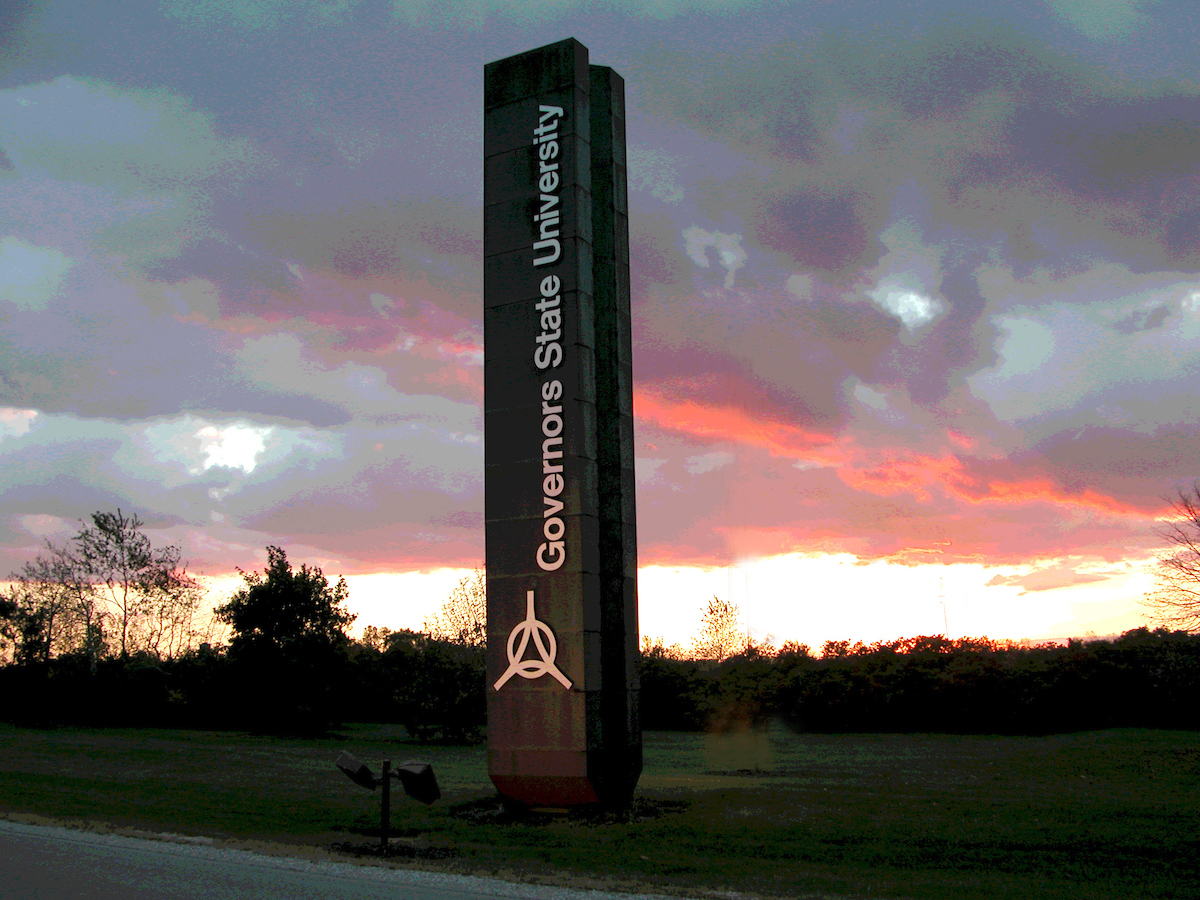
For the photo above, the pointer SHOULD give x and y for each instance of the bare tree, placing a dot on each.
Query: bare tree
(55, 608)
(721, 634)
(168, 626)
(657, 648)
(463, 619)
(1176, 599)
(107, 582)
(375, 638)
(150, 599)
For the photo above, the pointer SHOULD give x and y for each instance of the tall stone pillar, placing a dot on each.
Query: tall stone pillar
(562, 688)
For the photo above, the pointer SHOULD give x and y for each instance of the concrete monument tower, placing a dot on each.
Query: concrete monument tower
(563, 726)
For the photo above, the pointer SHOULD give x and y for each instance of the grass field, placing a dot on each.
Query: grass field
(1097, 814)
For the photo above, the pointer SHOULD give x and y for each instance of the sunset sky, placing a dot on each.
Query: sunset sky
(916, 296)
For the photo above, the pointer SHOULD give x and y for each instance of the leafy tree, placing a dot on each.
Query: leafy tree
(676, 693)
(279, 608)
(1176, 600)
(746, 683)
(440, 687)
(721, 633)
(288, 645)
(375, 638)
(463, 619)
(835, 649)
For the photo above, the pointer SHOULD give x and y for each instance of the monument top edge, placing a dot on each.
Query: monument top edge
(565, 46)
(536, 71)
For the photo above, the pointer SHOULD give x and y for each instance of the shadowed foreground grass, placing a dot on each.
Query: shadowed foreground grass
(1096, 814)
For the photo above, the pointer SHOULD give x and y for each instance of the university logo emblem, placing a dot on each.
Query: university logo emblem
(543, 642)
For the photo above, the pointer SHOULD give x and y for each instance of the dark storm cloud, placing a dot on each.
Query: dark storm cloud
(656, 257)
(398, 490)
(1136, 158)
(1134, 465)
(834, 127)
(960, 342)
(253, 279)
(1113, 148)
(100, 351)
(463, 518)
(846, 335)
(14, 14)
(992, 147)
(830, 231)
(783, 358)
(945, 69)
(66, 480)
(382, 236)
(1145, 319)
(773, 99)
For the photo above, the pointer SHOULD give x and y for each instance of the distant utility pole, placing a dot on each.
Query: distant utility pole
(744, 604)
(942, 600)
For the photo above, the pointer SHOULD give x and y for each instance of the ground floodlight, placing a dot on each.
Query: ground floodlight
(357, 771)
(418, 779)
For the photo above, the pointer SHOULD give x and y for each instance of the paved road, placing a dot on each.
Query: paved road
(41, 863)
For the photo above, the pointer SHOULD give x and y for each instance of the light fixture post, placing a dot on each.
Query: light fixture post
(385, 812)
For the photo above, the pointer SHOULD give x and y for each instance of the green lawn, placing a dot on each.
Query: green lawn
(1098, 814)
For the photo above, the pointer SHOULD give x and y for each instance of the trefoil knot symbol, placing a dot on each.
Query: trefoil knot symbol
(547, 649)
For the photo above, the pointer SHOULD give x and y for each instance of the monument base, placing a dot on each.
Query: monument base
(551, 789)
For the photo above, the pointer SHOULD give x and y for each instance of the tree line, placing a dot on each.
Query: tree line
(1143, 678)
(103, 631)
